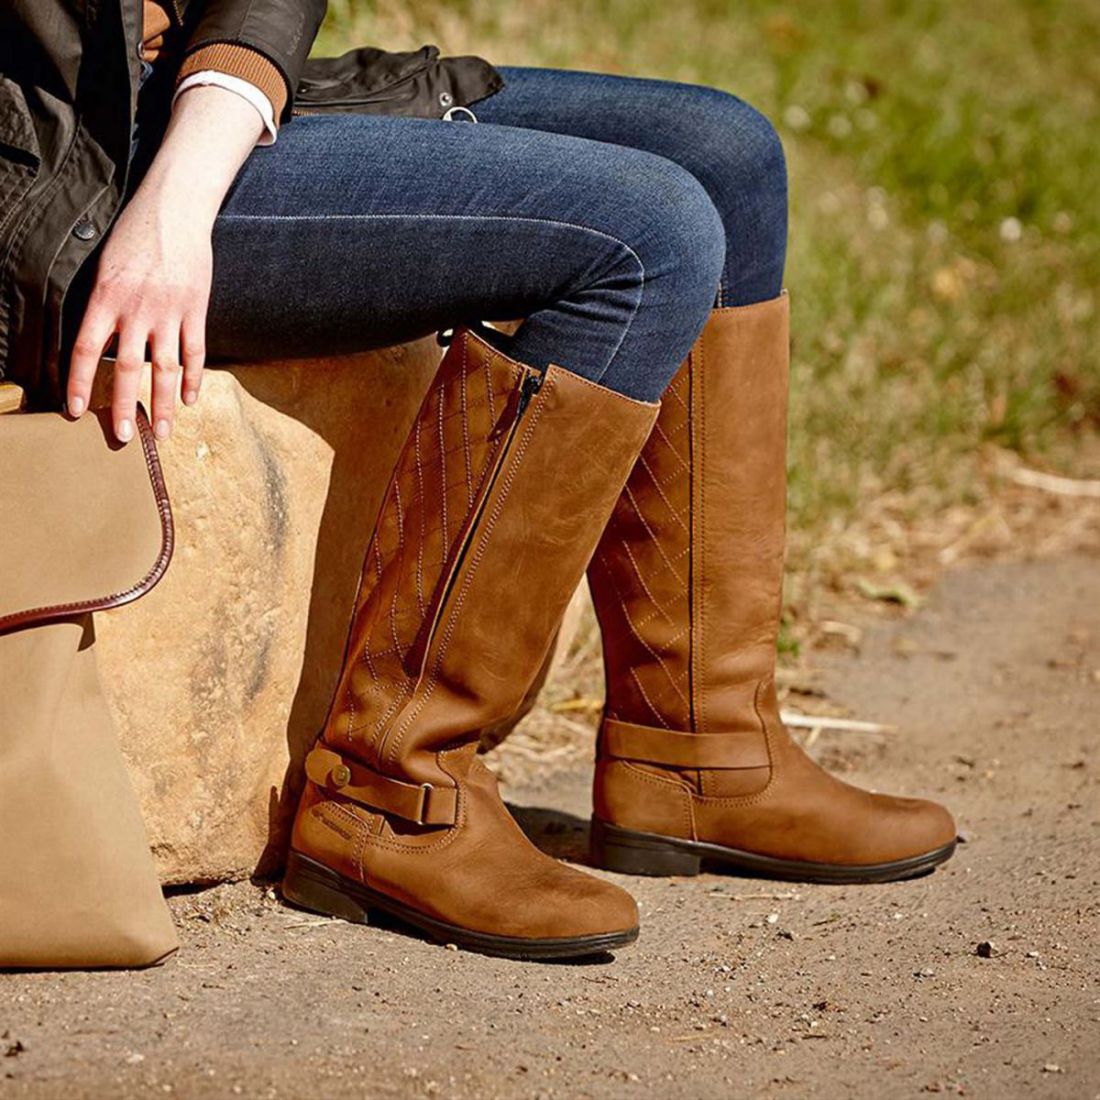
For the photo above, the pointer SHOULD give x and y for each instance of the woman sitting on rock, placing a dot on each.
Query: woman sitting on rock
(634, 426)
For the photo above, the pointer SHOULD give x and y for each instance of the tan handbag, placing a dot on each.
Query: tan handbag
(85, 525)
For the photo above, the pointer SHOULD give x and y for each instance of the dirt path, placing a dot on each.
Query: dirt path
(737, 987)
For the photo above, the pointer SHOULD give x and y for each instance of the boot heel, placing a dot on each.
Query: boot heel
(309, 885)
(631, 853)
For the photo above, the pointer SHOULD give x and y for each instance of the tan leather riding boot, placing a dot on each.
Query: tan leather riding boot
(694, 765)
(501, 492)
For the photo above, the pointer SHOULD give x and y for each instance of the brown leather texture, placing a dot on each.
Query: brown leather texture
(494, 510)
(440, 483)
(86, 522)
(641, 576)
(421, 803)
(85, 525)
(626, 741)
(687, 583)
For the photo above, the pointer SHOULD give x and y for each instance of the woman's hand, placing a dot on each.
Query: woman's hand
(152, 287)
(152, 284)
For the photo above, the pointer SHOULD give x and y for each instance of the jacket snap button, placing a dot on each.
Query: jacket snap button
(84, 230)
(341, 775)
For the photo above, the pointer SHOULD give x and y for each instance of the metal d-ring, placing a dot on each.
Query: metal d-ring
(459, 114)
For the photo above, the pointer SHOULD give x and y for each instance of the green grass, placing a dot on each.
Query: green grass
(945, 248)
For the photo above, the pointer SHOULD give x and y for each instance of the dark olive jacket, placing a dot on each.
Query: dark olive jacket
(69, 73)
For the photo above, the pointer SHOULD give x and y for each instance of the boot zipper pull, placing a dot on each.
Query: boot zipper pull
(530, 385)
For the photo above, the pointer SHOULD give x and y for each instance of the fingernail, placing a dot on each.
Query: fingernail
(161, 429)
(76, 406)
(190, 397)
(125, 431)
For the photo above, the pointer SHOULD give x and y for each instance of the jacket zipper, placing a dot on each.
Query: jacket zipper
(528, 387)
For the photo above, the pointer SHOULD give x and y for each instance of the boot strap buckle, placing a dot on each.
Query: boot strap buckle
(425, 793)
(421, 803)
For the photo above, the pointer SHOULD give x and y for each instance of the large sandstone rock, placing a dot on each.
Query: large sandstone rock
(221, 677)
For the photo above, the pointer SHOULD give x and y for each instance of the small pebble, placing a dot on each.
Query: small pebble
(986, 949)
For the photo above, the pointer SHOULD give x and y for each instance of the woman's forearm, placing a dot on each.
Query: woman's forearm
(210, 135)
(153, 279)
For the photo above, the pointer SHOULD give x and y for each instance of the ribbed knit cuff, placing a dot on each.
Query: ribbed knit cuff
(242, 62)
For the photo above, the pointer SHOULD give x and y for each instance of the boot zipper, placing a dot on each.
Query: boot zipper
(528, 387)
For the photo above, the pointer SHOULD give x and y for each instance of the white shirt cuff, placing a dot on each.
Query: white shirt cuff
(244, 89)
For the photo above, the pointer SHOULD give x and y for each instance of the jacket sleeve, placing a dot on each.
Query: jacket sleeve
(262, 41)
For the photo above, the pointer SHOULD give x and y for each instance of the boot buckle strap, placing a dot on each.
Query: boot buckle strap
(421, 803)
(676, 749)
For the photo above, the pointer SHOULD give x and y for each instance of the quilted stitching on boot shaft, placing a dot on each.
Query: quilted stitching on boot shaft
(643, 565)
(441, 474)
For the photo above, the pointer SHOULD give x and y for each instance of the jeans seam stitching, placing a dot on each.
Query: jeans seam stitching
(474, 217)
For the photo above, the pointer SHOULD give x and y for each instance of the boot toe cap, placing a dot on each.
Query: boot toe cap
(918, 827)
(599, 908)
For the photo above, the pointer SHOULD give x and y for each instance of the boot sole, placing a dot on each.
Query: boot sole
(310, 885)
(634, 853)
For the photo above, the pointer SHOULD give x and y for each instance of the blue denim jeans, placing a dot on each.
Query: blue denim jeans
(611, 213)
